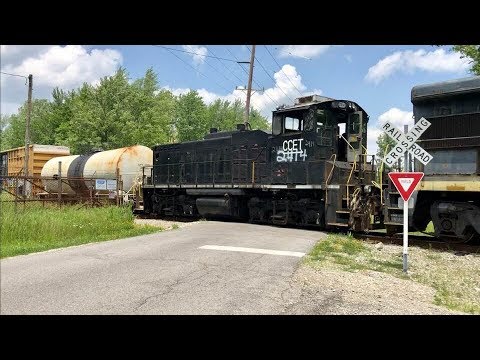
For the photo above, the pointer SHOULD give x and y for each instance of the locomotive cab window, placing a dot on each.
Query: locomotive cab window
(293, 124)
(277, 124)
(323, 128)
(287, 123)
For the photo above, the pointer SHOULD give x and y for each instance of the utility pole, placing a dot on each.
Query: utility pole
(27, 131)
(249, 87)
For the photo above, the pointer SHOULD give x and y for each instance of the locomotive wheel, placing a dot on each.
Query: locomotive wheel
(470, 236)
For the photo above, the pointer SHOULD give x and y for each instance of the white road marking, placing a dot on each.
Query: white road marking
(253, 250)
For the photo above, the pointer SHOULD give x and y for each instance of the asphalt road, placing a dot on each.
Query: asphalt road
(204, 268)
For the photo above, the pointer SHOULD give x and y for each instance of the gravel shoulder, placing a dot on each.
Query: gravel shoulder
(345, 276)
(164, 224)
(337, 292)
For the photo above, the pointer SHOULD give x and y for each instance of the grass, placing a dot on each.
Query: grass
(455, 279)
(36, 228)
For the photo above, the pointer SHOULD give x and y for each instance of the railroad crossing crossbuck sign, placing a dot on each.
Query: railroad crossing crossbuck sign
(406, 142)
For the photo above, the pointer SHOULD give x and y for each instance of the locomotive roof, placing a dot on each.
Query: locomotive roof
(303, 106)
(444, 88)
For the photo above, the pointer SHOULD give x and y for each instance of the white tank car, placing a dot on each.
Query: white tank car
(100, 165)
(50, 169)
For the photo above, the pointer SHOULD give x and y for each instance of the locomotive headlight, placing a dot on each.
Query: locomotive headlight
(342, 105)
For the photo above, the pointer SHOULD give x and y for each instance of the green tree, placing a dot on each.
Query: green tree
(4, 122)
(40, 130)
(225, 116)
(190, 117)
(61, 111)
(117, 112)
(258, 121)
(472, 52)
(385, 143)
(101, 116)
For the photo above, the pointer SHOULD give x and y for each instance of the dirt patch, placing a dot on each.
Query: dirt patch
(365, 292)
(164, 224)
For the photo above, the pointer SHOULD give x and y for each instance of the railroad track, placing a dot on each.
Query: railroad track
(428, 242)
(424, 241)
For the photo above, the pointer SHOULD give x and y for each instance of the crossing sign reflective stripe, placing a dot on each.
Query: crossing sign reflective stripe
(405, 182)
(406, 142)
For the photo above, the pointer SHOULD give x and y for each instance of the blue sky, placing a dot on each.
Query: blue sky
(378, 77)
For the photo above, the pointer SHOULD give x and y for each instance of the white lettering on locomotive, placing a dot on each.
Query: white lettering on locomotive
(292, 150)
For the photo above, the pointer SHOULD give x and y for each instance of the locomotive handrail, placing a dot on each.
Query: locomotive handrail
(354, 166)
(381, 177)
(328, 177)
(364, 157)
(253, 172)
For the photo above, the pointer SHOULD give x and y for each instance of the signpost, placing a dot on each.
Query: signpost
(405, 182)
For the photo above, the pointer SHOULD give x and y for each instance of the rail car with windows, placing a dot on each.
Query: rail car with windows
(311, 170)
(449, 194)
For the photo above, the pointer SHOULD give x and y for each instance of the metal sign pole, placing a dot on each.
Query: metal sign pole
(405, 212)
(405, 235)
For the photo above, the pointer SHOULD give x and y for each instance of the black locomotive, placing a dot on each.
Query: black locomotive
(312, 170)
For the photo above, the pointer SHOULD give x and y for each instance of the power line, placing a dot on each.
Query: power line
(282, 70)
(194, 53)
(274, 82)
(25, 77)
(254, 81)
(201, 73)
(225, 66)
(218, 71)
(196, 70)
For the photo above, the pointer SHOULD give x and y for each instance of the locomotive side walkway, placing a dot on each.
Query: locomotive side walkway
(202, 268)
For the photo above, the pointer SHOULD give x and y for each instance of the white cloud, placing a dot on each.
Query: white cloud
(303, 51)
(408, 61)
(200, 52)
(396, 117)
(15, 54)
(268, 100)
(372, 135)
(348, 57)
(68, 66)
(64, 66)
(207, 96)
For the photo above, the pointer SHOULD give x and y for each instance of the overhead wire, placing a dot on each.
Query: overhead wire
(3, 72)
(254, 81)
(22, 76)
(225, 66)
(191, 52)
(201, 73)
(271, 77)
(281, 68)
(196, 70)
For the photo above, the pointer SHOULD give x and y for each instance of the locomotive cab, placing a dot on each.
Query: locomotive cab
(323, 127)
